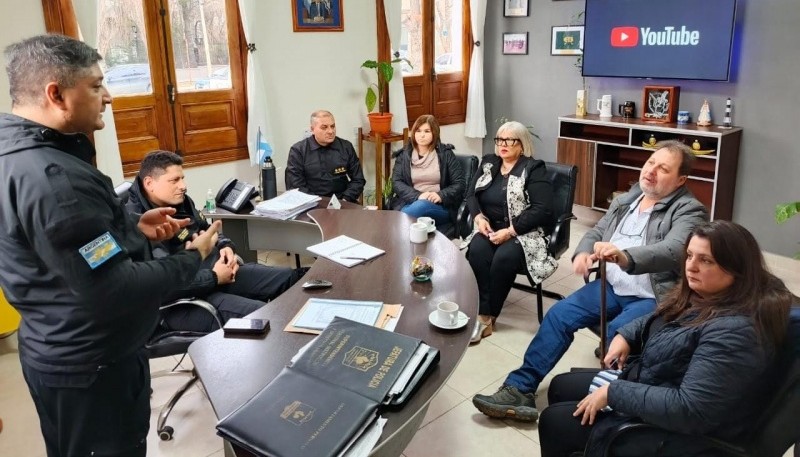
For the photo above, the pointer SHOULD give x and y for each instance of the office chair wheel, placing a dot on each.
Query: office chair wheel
(166, 433)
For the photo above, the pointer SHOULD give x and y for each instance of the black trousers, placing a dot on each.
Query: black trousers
(255, 284)
(560, 433)
(100, 413)
(495, 269)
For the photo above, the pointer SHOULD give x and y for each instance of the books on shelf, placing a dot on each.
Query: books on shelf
(286, 205)
(331, 393)
(345, 250)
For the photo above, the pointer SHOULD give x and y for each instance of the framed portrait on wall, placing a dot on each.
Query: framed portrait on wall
(515, 43)
(567, 40)
(660, 103)
(317, 16)
(515, 8)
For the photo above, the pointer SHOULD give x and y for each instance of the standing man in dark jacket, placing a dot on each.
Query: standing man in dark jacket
(75, 264)
(234, 290)
(324, 164)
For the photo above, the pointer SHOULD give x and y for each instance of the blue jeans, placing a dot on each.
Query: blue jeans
(427, 208)
(579, 310)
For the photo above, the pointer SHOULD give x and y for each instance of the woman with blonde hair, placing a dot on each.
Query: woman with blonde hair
(510, 201)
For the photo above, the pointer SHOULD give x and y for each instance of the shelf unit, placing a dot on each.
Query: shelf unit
(610, 153)
(383, 156)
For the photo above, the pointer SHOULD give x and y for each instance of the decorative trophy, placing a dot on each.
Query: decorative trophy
(580, 103)
(704, 118)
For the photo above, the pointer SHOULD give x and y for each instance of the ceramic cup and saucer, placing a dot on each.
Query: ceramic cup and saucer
(430, 223)
(446, 316)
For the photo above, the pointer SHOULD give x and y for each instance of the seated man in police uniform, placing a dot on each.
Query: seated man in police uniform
(235, 290)
(324, 164)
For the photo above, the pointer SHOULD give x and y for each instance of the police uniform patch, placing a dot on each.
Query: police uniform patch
(97, 251)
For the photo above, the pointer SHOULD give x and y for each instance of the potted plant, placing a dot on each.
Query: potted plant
(381, 121)
(388, 192)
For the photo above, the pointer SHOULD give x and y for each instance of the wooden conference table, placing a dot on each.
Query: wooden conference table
(233, 369)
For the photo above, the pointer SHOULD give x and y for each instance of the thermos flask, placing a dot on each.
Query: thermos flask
(269, 186)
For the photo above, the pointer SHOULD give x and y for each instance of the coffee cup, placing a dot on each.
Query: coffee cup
(447, 313)
(604, 106)
(428, 221)
(418, 233)
(627, 109)
(683, 117)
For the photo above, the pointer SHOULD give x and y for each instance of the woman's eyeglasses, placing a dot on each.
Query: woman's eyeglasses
(506, 141)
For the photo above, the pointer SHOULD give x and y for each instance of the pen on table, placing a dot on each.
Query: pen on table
(354, 258)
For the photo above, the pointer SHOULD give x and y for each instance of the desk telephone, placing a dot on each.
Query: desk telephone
(234, 194)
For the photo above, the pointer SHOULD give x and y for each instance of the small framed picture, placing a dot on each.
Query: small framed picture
(515, 8)
(317, 16)
(567, 40)
(660, 103)
(515, 43)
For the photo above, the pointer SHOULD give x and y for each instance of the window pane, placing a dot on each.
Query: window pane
(411, 37)
(200, 44)
(447, 36)
(122, 43)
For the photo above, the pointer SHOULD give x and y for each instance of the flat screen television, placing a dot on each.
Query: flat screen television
(671, 39)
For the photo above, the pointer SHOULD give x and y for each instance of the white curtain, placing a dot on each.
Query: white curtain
(105, 141)
(397, 94)
(475, 124)
(257, 113)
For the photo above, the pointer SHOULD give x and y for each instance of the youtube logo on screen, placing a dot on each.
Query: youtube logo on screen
(624, 37)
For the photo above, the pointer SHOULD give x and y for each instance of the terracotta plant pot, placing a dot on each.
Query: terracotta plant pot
(380, 122)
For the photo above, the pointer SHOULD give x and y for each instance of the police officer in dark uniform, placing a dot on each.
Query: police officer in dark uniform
(75, 264)
(324, 164)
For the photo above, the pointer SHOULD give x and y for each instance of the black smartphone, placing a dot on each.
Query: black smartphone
(236, 327)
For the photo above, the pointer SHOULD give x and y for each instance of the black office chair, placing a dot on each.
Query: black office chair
(564, 178)
(165, 342)
(463, 222)
(775, 430)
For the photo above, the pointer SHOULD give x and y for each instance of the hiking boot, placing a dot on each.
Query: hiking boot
(508, 403)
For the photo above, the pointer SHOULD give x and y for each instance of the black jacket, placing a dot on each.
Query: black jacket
(325, 170)
(704, 380)
(53, 203)
(205, 281)
(451, 179)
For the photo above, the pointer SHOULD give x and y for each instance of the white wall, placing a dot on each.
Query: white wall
(16, 24)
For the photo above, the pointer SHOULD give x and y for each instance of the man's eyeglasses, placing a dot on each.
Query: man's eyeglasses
(506, 141)
(622, 227)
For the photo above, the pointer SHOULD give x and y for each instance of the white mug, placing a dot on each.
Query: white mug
(604, 106)
(429, 222)
(447, 313)
(418, 233)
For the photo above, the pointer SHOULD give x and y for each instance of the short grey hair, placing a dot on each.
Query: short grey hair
(320, 113)
(33, 63)
(678, 147)
(518, 130)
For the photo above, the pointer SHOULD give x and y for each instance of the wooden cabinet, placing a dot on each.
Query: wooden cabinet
(610, 153)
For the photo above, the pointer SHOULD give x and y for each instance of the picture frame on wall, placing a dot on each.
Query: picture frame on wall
(660, 103)
(566, 40)
(317, 16)
(515, 43)
(515, 8)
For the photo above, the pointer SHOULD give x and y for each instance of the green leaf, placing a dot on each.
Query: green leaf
(387, 72)
(785, 211)
(370, 99)
(369, 64)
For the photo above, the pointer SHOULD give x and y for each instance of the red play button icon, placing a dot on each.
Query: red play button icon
(624, 37)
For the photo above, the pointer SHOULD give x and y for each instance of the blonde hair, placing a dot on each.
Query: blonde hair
(517, 130)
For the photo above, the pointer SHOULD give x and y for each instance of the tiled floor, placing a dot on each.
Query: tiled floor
(452, 427)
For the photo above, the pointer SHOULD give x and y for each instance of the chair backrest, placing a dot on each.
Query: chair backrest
(123, 191)
(564, 178)
(469, 163)
(776, 430)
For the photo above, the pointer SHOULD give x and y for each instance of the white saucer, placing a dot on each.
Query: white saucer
(431, 229)
(460, 322)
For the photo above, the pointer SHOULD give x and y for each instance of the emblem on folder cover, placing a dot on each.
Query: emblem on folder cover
(360, 358)
(297, 412)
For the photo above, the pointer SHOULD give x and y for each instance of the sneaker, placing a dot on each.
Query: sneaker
(508, 402)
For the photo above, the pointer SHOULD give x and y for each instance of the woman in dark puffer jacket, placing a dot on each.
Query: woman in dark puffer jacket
(697, 365)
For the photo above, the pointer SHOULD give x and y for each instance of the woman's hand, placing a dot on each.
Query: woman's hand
(618, 350)
(432, 197)
(501, 236)
(591, 404)
(483, 225)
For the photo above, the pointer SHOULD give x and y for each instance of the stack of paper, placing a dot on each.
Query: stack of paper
(345, 250)
(287, 205)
